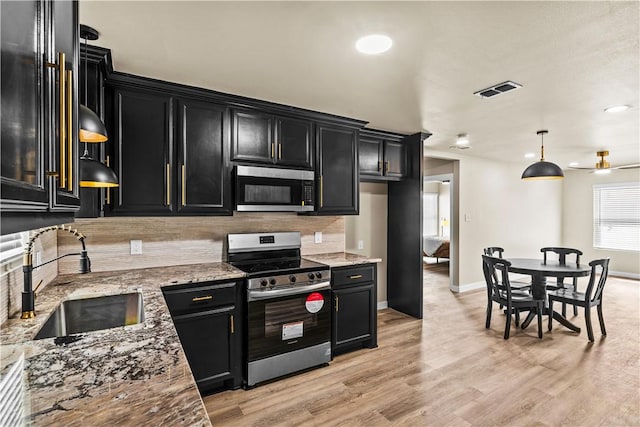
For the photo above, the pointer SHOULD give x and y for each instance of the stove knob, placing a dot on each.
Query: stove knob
(311, 276)
(292, 278)
(318, 275)
(263, 282)
(272, 281)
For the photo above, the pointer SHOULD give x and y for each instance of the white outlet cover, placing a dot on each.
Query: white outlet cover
(38, 258)
(136, 247)
(317, 237)
(360, 244)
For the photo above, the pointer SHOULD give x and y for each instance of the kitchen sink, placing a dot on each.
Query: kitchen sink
(92, 314)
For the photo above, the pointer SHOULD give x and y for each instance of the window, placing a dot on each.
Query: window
(430, 214)
(616, 216)
(11, 246)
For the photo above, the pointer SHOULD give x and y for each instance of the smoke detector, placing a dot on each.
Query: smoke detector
(498, 89)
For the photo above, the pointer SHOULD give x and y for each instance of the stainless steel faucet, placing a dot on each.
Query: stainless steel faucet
(28, 294)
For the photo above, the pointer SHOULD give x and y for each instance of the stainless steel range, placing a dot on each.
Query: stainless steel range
(288, 305)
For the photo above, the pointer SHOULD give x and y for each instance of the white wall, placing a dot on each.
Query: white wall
(577, 218)
(370, 227)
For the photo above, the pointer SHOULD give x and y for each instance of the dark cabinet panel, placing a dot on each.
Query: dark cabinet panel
(354, 308)
(144, 152)
(337, 170)
(265, 138)
(202, 164)
(370, 156)
(395, 159)
(382, 156)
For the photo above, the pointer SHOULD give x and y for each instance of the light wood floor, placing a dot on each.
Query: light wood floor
(448, 370)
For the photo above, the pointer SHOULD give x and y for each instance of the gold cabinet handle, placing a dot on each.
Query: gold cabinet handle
(356, 276)
(61, 117)
(279, 151)
(107, 162)
(69, 100)
(168, 184)
(184, 186)
(232, 325)
(205, 298)
(321, 191)
(273, 150)
(337, 300)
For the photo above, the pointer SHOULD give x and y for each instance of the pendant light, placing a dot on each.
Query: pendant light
(93, 174)
(542, 169)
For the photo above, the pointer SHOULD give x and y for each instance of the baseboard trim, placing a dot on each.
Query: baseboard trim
(469, 287)
(382, 305)
(624, 275)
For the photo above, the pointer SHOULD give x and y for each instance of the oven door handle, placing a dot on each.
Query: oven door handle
(274, 293)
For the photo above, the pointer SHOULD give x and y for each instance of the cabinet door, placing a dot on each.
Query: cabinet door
(203, 175)
(64, 146)
(337, 179)
(209, 342)
(395, 159)
(252, 136)
(370, 156)
(144, 152)
(293, 141)
(353, 314)
(22, 159)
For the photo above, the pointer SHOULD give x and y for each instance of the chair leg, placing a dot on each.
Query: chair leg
(550, 313)
(517, 313)
(575, 310)
(564, 309)
(601, 319)
(587, 319)
(539, 310)
(507, 327)
(488, 322)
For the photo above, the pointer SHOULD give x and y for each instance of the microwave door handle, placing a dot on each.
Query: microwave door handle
(253, 295)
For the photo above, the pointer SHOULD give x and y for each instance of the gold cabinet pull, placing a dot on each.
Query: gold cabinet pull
(232, 325)
(69, 123)
(204, 298)
(355, 276)
(337, 304)
(184, 186)
(273, 150)
(388, 165)
(61, 117)
(279, 151)
(107, 162)
(321, 192)
(168, 184)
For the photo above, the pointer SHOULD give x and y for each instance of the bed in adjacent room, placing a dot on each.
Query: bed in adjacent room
(435, 246)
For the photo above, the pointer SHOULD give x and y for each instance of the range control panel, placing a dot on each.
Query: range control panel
(289, 280)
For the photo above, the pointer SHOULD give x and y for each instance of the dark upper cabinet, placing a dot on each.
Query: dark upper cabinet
(337, 170)
(265, 138)
(202, 158)
(171, 153)
(382, 156)
(143, 140)
(39, 157)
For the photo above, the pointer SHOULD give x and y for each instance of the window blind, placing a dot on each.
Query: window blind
(430, 214)
(11, 246)
(616, 216)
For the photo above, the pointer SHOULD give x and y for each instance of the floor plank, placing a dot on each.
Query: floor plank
(448, 370)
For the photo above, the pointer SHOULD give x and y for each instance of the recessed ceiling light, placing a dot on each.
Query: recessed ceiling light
(602, 171)
(616, 108)
(530, 155)
(374, 44)
(573, 164)
(463, 139)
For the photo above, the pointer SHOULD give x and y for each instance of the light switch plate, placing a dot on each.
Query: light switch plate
(317, 237)
(136, 247)
(360, 244)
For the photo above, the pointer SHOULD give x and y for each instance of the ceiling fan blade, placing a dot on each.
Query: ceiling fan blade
(634, 166)
(580, 169)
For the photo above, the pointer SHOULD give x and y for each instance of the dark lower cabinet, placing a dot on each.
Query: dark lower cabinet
(337, 179)
(208, 321)
(354, 291)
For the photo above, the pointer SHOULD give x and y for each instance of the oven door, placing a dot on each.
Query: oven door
(286, 323)
(260, 189)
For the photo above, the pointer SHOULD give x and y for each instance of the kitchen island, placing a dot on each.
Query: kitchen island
(130, 375)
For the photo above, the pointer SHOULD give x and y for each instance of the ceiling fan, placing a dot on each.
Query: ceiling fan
(603, 166)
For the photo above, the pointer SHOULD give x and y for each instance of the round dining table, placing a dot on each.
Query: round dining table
(539, 271)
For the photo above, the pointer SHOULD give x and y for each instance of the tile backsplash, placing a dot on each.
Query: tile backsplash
(187, 240)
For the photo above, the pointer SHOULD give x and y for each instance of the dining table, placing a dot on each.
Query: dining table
(539, 271)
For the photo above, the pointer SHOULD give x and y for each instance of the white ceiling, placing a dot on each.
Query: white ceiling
(572, 58)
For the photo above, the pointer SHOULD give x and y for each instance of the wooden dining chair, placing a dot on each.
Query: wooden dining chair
(515, 284)
(562, 260)
(592, 296)
(496, 275)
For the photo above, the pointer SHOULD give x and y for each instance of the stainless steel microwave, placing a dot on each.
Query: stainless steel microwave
(266, 189)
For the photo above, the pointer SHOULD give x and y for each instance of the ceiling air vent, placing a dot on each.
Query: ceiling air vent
(498, 89)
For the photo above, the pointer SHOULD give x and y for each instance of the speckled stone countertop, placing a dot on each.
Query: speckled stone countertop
(341, 259)
(131, 375)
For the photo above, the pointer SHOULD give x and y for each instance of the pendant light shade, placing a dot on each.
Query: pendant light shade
(542, 169)
(95, 174)
(91, 127)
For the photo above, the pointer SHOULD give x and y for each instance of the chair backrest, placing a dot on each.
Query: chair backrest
(562, 254)
(496, 275)
(491, 251)
(599, 271)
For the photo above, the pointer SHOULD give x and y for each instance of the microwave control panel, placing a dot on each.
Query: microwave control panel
(307, 193)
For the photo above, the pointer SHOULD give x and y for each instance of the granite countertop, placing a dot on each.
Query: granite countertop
(341, 259)
(131, 375)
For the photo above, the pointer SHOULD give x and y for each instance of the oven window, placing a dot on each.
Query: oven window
(287, 315)
(267, 194)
